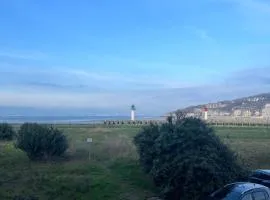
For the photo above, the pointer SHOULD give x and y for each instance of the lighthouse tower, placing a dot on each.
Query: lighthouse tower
(133, 108)
(205, 110)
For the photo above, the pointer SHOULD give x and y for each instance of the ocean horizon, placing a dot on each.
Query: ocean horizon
(70, 119)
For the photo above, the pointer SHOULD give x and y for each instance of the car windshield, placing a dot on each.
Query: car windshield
(226, 193)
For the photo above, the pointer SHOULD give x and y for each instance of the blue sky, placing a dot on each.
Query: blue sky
(106, 55)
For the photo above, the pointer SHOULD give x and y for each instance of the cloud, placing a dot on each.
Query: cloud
(70, 89)
(23, 55)
(64, 78)
(200, 33)
(251, 77)
(78, 89)
(56, 99)
(130, 79)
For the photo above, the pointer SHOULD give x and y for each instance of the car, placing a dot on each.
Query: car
(260, 176)
(242, 191)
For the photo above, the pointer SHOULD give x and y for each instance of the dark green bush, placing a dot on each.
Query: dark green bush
(186, 159)
(145, 142)
(6, 131)
(41, 142)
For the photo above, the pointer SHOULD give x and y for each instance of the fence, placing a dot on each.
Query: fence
(136, 124)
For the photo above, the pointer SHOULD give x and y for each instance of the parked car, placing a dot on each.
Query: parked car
(242, 191)
(260, 176)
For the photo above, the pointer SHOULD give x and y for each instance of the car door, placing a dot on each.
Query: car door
(260, 195)
(247, 197)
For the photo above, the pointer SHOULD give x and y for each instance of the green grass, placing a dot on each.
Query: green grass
(112, 172)
(252, 144)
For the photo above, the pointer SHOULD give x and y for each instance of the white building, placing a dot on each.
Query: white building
(266, 111)
(237, 112)
(246, 113)
(133, 108)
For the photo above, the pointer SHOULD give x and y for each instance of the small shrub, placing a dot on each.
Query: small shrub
(186, 159)
(6, 132)
(41, 142)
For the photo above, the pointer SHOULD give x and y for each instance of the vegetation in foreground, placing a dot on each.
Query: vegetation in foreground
(112, 172)
(183, 155)
(40, 142)
(6, 132)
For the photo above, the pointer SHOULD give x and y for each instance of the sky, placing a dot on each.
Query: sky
(102, 56)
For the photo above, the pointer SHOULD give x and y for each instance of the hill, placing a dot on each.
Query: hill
(246, 106)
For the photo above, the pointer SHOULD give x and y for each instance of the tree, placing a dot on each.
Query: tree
(41, 142)
(6, 132)
(180, 115)
(186, 159)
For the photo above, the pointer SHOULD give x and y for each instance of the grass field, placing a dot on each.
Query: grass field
(111, 170)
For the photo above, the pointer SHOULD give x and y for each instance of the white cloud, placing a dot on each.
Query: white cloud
(59, 91)
(157, 101)
(26, 55)
(42, 77)
(133, 79)
(203, 34)
(37, 98)
(200, 33)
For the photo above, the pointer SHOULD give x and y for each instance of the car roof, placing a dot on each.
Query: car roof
(264, 171)
(242, 187)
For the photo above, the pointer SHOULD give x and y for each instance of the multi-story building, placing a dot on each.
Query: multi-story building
(266, 111)
(257, 113)
(237, 112)
(246, 113)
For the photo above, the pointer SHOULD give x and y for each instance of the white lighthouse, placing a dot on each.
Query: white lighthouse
(205, 113)
(133, 108)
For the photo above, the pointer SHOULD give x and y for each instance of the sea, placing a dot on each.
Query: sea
(93, 119)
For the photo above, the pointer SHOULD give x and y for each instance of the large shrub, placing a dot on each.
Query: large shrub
(41, 142)
(186, 159)
(6, 132)
(145, 142)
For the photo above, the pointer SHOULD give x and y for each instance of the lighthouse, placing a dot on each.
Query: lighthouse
(133, 108)
(205, 110)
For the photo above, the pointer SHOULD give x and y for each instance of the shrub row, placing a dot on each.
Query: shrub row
(39, 142)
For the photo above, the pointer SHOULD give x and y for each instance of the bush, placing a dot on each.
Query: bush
(6, 132)
(186, 159)
(145, 143)
(41, 142)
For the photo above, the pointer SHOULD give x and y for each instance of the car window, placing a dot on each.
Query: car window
(259, 196)
(265, 177)
(247, 197)
(260, 176)
(226, 193)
